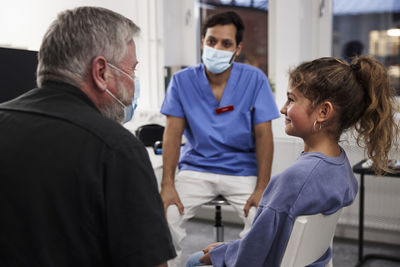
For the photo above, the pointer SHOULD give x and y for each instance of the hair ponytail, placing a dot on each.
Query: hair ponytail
(377, 129)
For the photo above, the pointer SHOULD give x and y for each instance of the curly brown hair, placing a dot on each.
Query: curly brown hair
(362, 97)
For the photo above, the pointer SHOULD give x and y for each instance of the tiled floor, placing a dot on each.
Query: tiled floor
(201, 233)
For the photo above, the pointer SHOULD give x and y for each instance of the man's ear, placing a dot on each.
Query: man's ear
(325, 111)
(98, 71)
(238, 49)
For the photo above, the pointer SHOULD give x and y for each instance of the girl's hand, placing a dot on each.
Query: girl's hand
(206, 258)
(211, 246)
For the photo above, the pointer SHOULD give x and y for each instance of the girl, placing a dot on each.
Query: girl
(325, 97)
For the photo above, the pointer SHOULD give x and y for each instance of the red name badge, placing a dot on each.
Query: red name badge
(224, 109)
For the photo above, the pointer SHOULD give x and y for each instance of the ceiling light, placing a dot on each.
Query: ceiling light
(393, 32)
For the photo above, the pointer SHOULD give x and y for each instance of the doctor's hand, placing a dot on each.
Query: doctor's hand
(169, 197)
(253, 200)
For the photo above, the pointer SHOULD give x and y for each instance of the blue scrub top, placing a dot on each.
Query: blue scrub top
(220, 143)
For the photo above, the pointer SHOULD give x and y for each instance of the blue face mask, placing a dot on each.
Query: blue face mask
(130, 109)
(217, 61)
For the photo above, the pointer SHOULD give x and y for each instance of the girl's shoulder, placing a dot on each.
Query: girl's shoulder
(284, 188)
(313, 178)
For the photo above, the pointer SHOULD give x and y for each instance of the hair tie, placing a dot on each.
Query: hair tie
(355, 67)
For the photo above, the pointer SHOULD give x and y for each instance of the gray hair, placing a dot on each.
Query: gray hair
(76, 37)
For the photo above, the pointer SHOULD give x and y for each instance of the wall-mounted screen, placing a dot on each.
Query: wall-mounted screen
(17, 72)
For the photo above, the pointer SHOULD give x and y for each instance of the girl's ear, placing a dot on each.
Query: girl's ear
(325, 111)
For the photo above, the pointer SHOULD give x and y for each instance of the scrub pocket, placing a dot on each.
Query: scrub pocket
(240, 133)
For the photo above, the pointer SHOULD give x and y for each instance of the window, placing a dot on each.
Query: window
(369, 28)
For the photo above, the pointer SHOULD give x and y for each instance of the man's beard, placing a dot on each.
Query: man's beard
(114, 110)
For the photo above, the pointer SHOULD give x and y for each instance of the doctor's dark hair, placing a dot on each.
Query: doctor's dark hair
(361, 96)
(225, 18)
(76, 37)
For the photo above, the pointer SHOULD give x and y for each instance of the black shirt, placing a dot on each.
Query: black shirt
(76, 188)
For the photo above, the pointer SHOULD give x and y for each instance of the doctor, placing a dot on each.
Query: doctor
(224, 109)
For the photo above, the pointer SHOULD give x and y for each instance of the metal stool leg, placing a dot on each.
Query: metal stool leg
(219, 227)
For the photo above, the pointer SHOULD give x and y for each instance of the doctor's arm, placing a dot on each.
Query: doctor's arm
(171, 150)
(264, 154)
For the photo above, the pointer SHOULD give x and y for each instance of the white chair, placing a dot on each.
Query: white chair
(311, 236)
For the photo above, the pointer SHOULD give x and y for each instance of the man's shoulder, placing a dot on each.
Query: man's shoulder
(189, 72)
(71, 110)
(247, 72)
(111, 133)
(248, 68)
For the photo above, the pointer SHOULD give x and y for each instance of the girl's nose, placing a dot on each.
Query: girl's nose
(283, 110)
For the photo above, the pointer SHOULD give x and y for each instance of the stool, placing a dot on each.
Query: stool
(218, 201)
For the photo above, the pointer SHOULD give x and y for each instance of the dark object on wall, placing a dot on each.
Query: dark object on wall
(169, 71)
(352, 49)
(150, 133)
(17, 72)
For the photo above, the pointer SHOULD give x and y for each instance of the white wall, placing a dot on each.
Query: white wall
(24, 22)
(299, 33)
(150, 53)
(177, 38)
(181, 26)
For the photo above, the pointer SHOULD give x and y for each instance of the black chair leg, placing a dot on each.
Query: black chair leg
(219, 227)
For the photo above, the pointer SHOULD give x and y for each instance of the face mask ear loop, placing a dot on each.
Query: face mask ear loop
(233, 57)
(113, 96)
(121, 71)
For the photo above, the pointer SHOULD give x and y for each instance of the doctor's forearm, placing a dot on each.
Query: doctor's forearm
(171, 148)
(264, 154)
(264, 162)
(170, 162)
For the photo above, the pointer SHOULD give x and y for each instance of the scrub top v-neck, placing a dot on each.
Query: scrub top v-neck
(227, 95)
(220, 142)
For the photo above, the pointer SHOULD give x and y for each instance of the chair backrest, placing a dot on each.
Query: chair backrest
(311, 236)
(150, 133)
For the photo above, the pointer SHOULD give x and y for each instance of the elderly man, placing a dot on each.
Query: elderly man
(76, 188)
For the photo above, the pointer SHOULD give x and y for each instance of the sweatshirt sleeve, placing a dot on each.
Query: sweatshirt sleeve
(255, 249)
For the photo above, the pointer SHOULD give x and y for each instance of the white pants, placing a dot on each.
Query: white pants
(197, 188)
